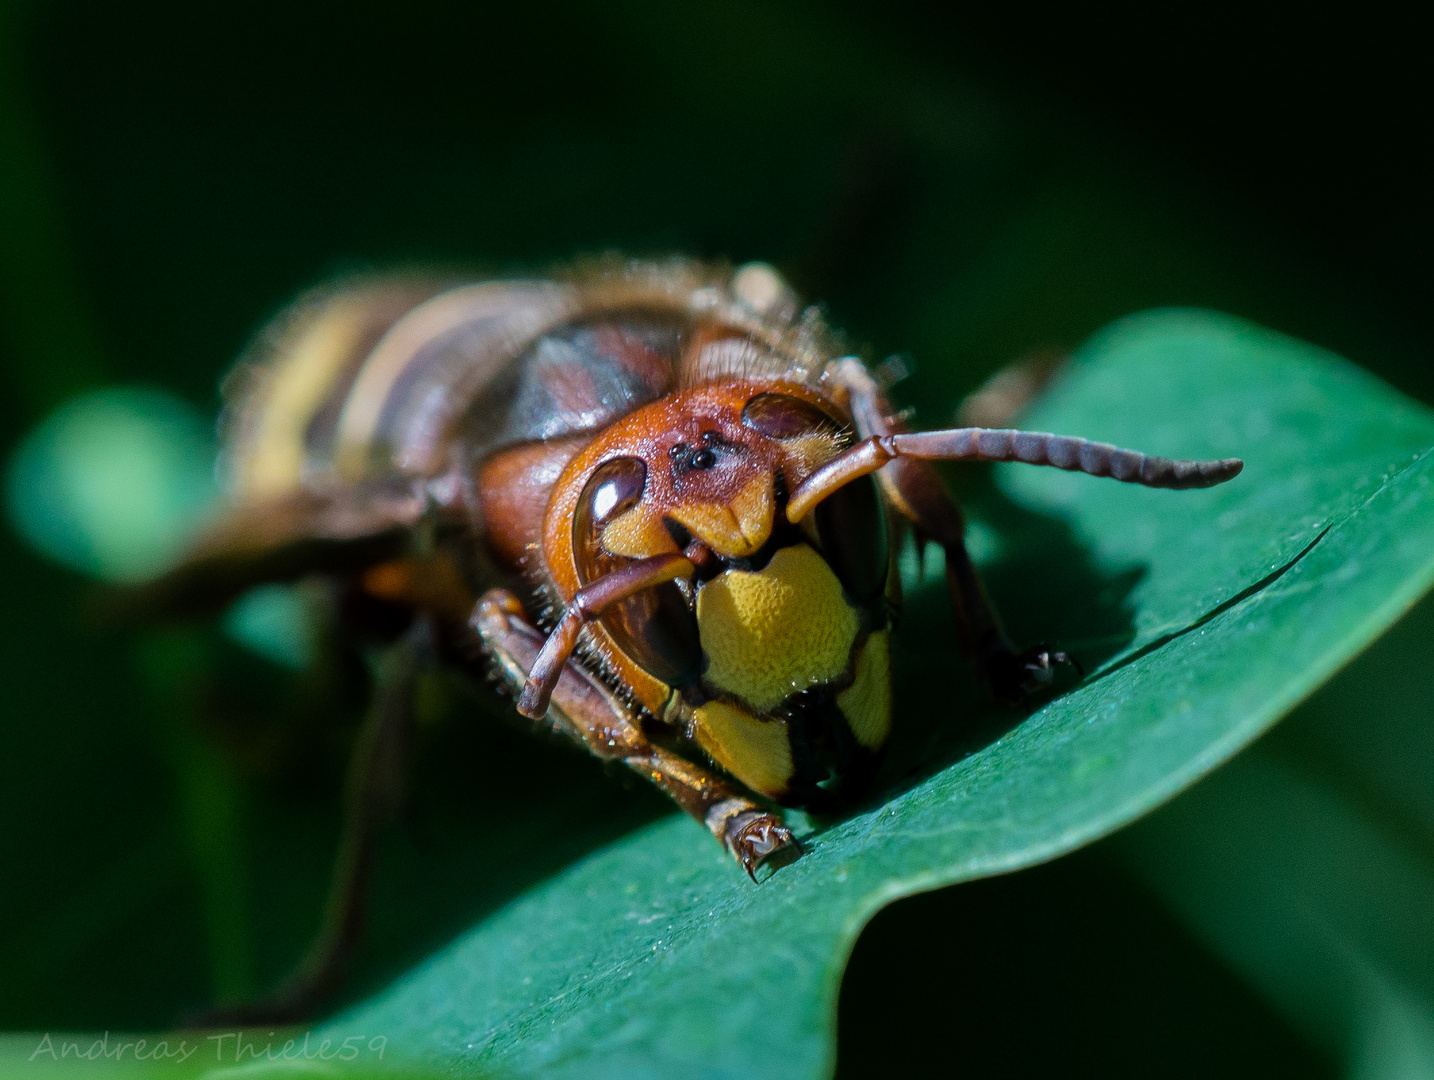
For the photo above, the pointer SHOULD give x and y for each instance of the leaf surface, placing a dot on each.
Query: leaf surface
(1216, 613)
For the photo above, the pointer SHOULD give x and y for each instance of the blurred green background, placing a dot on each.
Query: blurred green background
(967, 188)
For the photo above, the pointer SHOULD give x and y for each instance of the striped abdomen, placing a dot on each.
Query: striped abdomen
(404, 377)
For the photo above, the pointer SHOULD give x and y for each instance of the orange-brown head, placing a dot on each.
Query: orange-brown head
(774, 654)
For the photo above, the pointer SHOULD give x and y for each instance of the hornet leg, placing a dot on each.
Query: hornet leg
(914, 489)
(586, 710)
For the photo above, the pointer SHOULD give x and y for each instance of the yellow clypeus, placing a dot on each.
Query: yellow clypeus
(773, 632)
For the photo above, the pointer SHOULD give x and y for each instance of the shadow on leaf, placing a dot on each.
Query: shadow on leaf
(1047, 589)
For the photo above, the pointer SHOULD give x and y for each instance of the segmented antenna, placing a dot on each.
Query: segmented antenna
(1031, 447)
(1070, 453)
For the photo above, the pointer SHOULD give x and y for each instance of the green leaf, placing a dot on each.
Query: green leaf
(114, 482)
(1208, 615)
(1306, 865)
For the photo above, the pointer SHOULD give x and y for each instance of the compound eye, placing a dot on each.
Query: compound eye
(852, 531)
(614, 488)
(781, 416)
(656, 628)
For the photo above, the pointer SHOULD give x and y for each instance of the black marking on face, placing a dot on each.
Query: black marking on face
(851, 528)
(708, 453)
(829, 766)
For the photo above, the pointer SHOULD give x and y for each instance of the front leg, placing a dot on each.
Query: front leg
(914, 489)
(583, 708)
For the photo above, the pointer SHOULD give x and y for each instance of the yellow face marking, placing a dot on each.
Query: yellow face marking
(753, 509)
(756, 752)
(777, 631)
(866, 703)
(637, 534)
(735, 530)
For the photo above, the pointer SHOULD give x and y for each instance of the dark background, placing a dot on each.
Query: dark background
(967, 187)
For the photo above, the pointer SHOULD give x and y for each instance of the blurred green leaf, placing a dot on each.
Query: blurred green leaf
(656, 957)
(114, 482)
(1308, 865)
(1306, 895)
